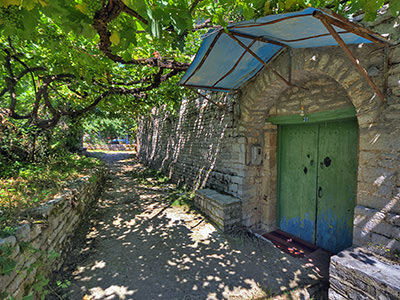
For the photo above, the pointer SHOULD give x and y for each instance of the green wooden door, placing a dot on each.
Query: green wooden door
(337, 184)
(317, 181)
(298, 171)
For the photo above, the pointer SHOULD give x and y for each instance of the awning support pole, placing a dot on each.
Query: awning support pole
(385, 69)
(353, 59)
(351, 27)
(259, 58)
(211, 101)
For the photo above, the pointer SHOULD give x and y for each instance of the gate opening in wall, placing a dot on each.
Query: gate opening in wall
(317, 181)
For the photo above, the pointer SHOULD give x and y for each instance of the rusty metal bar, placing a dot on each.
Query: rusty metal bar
(351, 56)
(204, 87)
(354, 28)
(234, 66)
(270, 22)
(258, 38)
(346, 21)
(310, 37)
(205, 55)
(259, 59)
(385, 69)
(290, 64)
(272, 58)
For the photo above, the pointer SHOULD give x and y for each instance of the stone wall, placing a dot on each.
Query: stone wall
(325, 79)
(356, 274)
(198, 147)
(377, 215)
(39, 247)
(221, 153)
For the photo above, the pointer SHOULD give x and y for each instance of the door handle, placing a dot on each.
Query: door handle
(320, 192)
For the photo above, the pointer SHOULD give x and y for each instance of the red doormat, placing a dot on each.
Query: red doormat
(289, 243)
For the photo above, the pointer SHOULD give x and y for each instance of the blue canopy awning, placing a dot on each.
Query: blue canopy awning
(227, 60)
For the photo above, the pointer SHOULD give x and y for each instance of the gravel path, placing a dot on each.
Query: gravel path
(140, 247)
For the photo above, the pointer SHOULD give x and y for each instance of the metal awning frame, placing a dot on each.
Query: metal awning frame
(327, 18)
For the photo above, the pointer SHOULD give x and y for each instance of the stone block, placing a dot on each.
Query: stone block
(333, 295)
(394, 81)
(23, 233)
(387, 230)
(36, 229)
(393, 219)
(367, 274)
(9, 241)
(222, 209)
(38, 235)
(394, 55)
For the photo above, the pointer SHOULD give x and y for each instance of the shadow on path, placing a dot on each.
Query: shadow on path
(140, 247)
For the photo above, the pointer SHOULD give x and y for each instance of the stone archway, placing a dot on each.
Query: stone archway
(321, 70)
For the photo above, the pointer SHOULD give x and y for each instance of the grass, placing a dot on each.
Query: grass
(179, 196)
(34, 184)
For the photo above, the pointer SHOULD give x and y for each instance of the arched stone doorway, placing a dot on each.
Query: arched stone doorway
(325, 85)
(316, 161)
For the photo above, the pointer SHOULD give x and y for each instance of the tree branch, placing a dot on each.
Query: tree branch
(100, 24)
(133, 13)
(193, 6)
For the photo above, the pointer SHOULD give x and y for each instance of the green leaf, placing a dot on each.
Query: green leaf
(248, 13)
(114, 38)
(155, 29)
(394, 7)
(179, 23)
(127, 56)
(8, 266)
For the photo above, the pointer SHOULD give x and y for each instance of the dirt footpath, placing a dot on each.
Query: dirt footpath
(139, 246)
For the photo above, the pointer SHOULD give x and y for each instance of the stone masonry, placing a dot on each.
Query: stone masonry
(223, 210)
(356, 274)
(206, 147)
(47, 240)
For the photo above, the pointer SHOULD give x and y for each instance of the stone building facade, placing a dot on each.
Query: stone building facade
(231, 147)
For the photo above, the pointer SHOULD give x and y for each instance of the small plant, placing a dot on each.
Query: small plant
(36, 183)
(39, 288)
(7, 265)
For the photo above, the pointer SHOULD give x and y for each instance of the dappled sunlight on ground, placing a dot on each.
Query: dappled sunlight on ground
(139, 246)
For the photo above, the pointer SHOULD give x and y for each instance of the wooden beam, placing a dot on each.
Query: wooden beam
(351, 56)
(258, 58)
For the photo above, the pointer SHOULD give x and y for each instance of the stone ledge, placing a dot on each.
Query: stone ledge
(224, 210)
(356, 274)
(53, 229)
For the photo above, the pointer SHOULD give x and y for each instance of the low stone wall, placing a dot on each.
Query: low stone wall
(224, 210)
(356, 274)
(39, 247)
